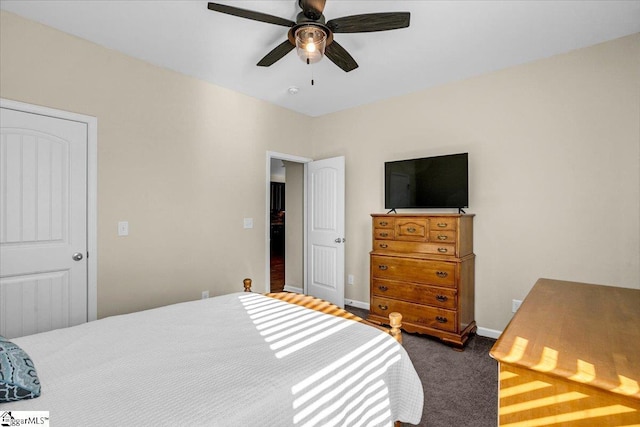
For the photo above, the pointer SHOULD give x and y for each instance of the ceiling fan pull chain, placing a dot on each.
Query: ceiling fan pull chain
(309, 63)
(312, 81)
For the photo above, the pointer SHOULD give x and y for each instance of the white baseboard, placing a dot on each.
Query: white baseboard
(489, 333)
(290, 288)
(357, 304)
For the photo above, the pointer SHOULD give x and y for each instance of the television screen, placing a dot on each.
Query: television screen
(430, 182)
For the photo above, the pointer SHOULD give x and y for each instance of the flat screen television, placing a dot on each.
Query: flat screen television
(429, 182)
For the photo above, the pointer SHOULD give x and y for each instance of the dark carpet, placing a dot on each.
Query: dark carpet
(460, 387)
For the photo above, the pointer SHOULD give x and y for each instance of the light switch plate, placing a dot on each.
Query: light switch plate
(248, 223)
(123, 228)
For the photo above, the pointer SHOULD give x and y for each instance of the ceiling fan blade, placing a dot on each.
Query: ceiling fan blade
(370, 22)
(312, 9)
(276, 54)
(339, 56)
(250, 14)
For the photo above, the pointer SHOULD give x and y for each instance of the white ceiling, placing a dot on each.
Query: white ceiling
(446, 41)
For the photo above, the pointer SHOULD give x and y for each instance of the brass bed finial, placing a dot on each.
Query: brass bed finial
(395, 321)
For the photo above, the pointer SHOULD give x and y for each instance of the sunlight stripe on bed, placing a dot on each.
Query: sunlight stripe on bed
(268, 314)
(349, 390)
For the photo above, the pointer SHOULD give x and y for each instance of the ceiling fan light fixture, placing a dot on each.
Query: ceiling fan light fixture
(310, 43)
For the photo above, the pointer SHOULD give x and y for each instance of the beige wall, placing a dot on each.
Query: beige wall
(180, 159)
(554, 155)
(554, 150)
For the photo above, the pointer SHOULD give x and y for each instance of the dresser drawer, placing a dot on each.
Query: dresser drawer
(443, 223)
(411, 229)
(383, 233)
(384, 222)
(432, 317)
(440, 273)
(415, 247)
(442, 236)
(420, 294)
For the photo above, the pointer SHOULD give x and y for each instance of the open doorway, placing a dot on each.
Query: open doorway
(314, 248)
(277, 225)
(285, 219)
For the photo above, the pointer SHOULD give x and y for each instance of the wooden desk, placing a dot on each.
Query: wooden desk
(571, 356)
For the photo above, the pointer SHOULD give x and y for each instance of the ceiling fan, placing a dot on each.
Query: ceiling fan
(312, 37)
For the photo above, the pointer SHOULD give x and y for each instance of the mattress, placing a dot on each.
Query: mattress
(241, 359)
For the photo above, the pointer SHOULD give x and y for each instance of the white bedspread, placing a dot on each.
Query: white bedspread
(235, 360)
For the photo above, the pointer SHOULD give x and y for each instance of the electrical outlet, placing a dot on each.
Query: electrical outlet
(350, 279)
(205, 294)
(515, 305)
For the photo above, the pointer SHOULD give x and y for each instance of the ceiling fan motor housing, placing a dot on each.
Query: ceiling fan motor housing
(312, 9)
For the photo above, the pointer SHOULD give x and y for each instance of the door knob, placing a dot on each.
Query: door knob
(77, 256)
(339, 240)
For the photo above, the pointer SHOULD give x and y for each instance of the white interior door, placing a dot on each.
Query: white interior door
(325, 229)
(43, 223)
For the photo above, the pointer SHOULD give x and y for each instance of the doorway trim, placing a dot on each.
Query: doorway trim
(92, 190)
(273, 155)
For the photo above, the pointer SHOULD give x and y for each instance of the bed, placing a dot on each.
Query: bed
(243, 359)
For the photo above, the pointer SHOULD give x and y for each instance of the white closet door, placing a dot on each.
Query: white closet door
(43, 223)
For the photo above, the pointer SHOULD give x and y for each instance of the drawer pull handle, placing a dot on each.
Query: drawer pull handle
(441, 237)
(443, 250)
(383, 307)
(383, 288)
(384, 245)
(441, 298)
(442, 274)
(382, 267)
(442, 224)
(383, 223)
(441, 319)
(411, 230)
(384, 234)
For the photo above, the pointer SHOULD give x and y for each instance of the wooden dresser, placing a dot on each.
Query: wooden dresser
(571, 356)
(422, 266)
